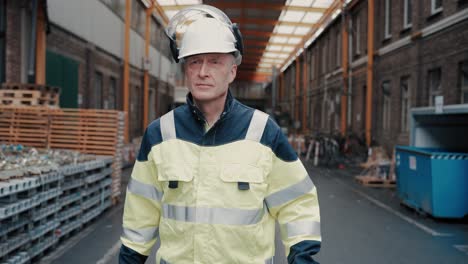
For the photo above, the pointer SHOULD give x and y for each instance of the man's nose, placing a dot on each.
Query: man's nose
(203, 69)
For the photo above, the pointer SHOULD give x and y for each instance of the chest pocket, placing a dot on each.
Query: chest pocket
(176, 179)
(243, 184)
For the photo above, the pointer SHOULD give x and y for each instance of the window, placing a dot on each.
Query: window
(112, 93)
(388, 20)
(407, 14)
(434, 84)
(386, 87)
(312, 66)
(324, 56)
(357, 36)
(98, 90)
(338, 48)
(405, 103)
(138, 17)
(436, 6)
(464, 82)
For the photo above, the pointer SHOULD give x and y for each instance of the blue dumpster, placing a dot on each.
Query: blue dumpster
(433, 180)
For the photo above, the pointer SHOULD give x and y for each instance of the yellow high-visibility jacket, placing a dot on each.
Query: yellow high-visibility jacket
(213, 196)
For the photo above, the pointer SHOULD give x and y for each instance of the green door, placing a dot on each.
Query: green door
(62, 71)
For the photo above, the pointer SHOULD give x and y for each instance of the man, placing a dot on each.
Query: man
(212, 176)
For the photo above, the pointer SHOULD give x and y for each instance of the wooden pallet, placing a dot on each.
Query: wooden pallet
(370, 181)
(90, 131)
(20, 94)
(46, 95)
(31, 87)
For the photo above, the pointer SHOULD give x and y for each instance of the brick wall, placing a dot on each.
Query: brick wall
(13, 41)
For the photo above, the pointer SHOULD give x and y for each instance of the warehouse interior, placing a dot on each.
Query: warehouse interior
(372, 96)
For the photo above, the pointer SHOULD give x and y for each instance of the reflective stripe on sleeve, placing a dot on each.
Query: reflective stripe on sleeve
(301, 228)
(256, 126)
(141, 235)
(168, 126)
(145, 190)
(222, 216)
(290, 193)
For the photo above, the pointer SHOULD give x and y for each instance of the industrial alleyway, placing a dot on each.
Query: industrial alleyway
(360, 225)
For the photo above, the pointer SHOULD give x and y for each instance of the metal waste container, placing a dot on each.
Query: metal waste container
(433, 180)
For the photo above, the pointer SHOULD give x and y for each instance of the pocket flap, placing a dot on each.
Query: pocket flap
(241, 173)
(175, 172)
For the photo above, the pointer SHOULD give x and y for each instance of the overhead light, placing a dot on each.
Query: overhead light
(270, 54)
(273, 48)
(312, 17)
(188, 2)
(305, 3)
(292, 16)
(283, 29)
(166, 2)
(323, 3)
(294, 40)
(276, 39)
(301, 30)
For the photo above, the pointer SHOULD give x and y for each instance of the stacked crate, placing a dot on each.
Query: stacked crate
(28, 127)
(20, 94)
(40, 206)
(90, 131)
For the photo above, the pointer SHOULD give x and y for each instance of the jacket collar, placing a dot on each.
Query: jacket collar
(228, 105)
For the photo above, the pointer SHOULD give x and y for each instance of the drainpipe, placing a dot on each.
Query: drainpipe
(32, 47)
(274, 88)
(350, 70)
(126, 77)
(370, 65)
(344, 61)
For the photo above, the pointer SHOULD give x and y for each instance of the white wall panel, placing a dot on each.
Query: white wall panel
(97, 24)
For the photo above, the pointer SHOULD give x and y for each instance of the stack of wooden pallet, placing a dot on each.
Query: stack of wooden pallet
(90, 131)
(20, 94)
(378, 170)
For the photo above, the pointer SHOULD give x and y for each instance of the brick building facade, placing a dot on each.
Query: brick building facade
(420, 51)
(99, 72)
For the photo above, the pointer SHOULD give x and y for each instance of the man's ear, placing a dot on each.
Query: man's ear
(233, 73)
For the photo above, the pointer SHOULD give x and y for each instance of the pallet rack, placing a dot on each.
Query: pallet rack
(90, 131)
(38, 211)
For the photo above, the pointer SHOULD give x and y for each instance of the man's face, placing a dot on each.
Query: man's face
(209, 75)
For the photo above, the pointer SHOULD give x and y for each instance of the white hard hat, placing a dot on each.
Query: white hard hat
(207, 35)
(203, 29)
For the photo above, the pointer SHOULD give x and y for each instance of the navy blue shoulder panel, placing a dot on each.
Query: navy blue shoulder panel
(230, 128)
(234, 127)
(277, 141)
(188, 127)
(151, 137)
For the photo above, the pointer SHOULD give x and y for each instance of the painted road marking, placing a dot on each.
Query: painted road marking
(110, 253)
(426, 229)
(462, 248)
